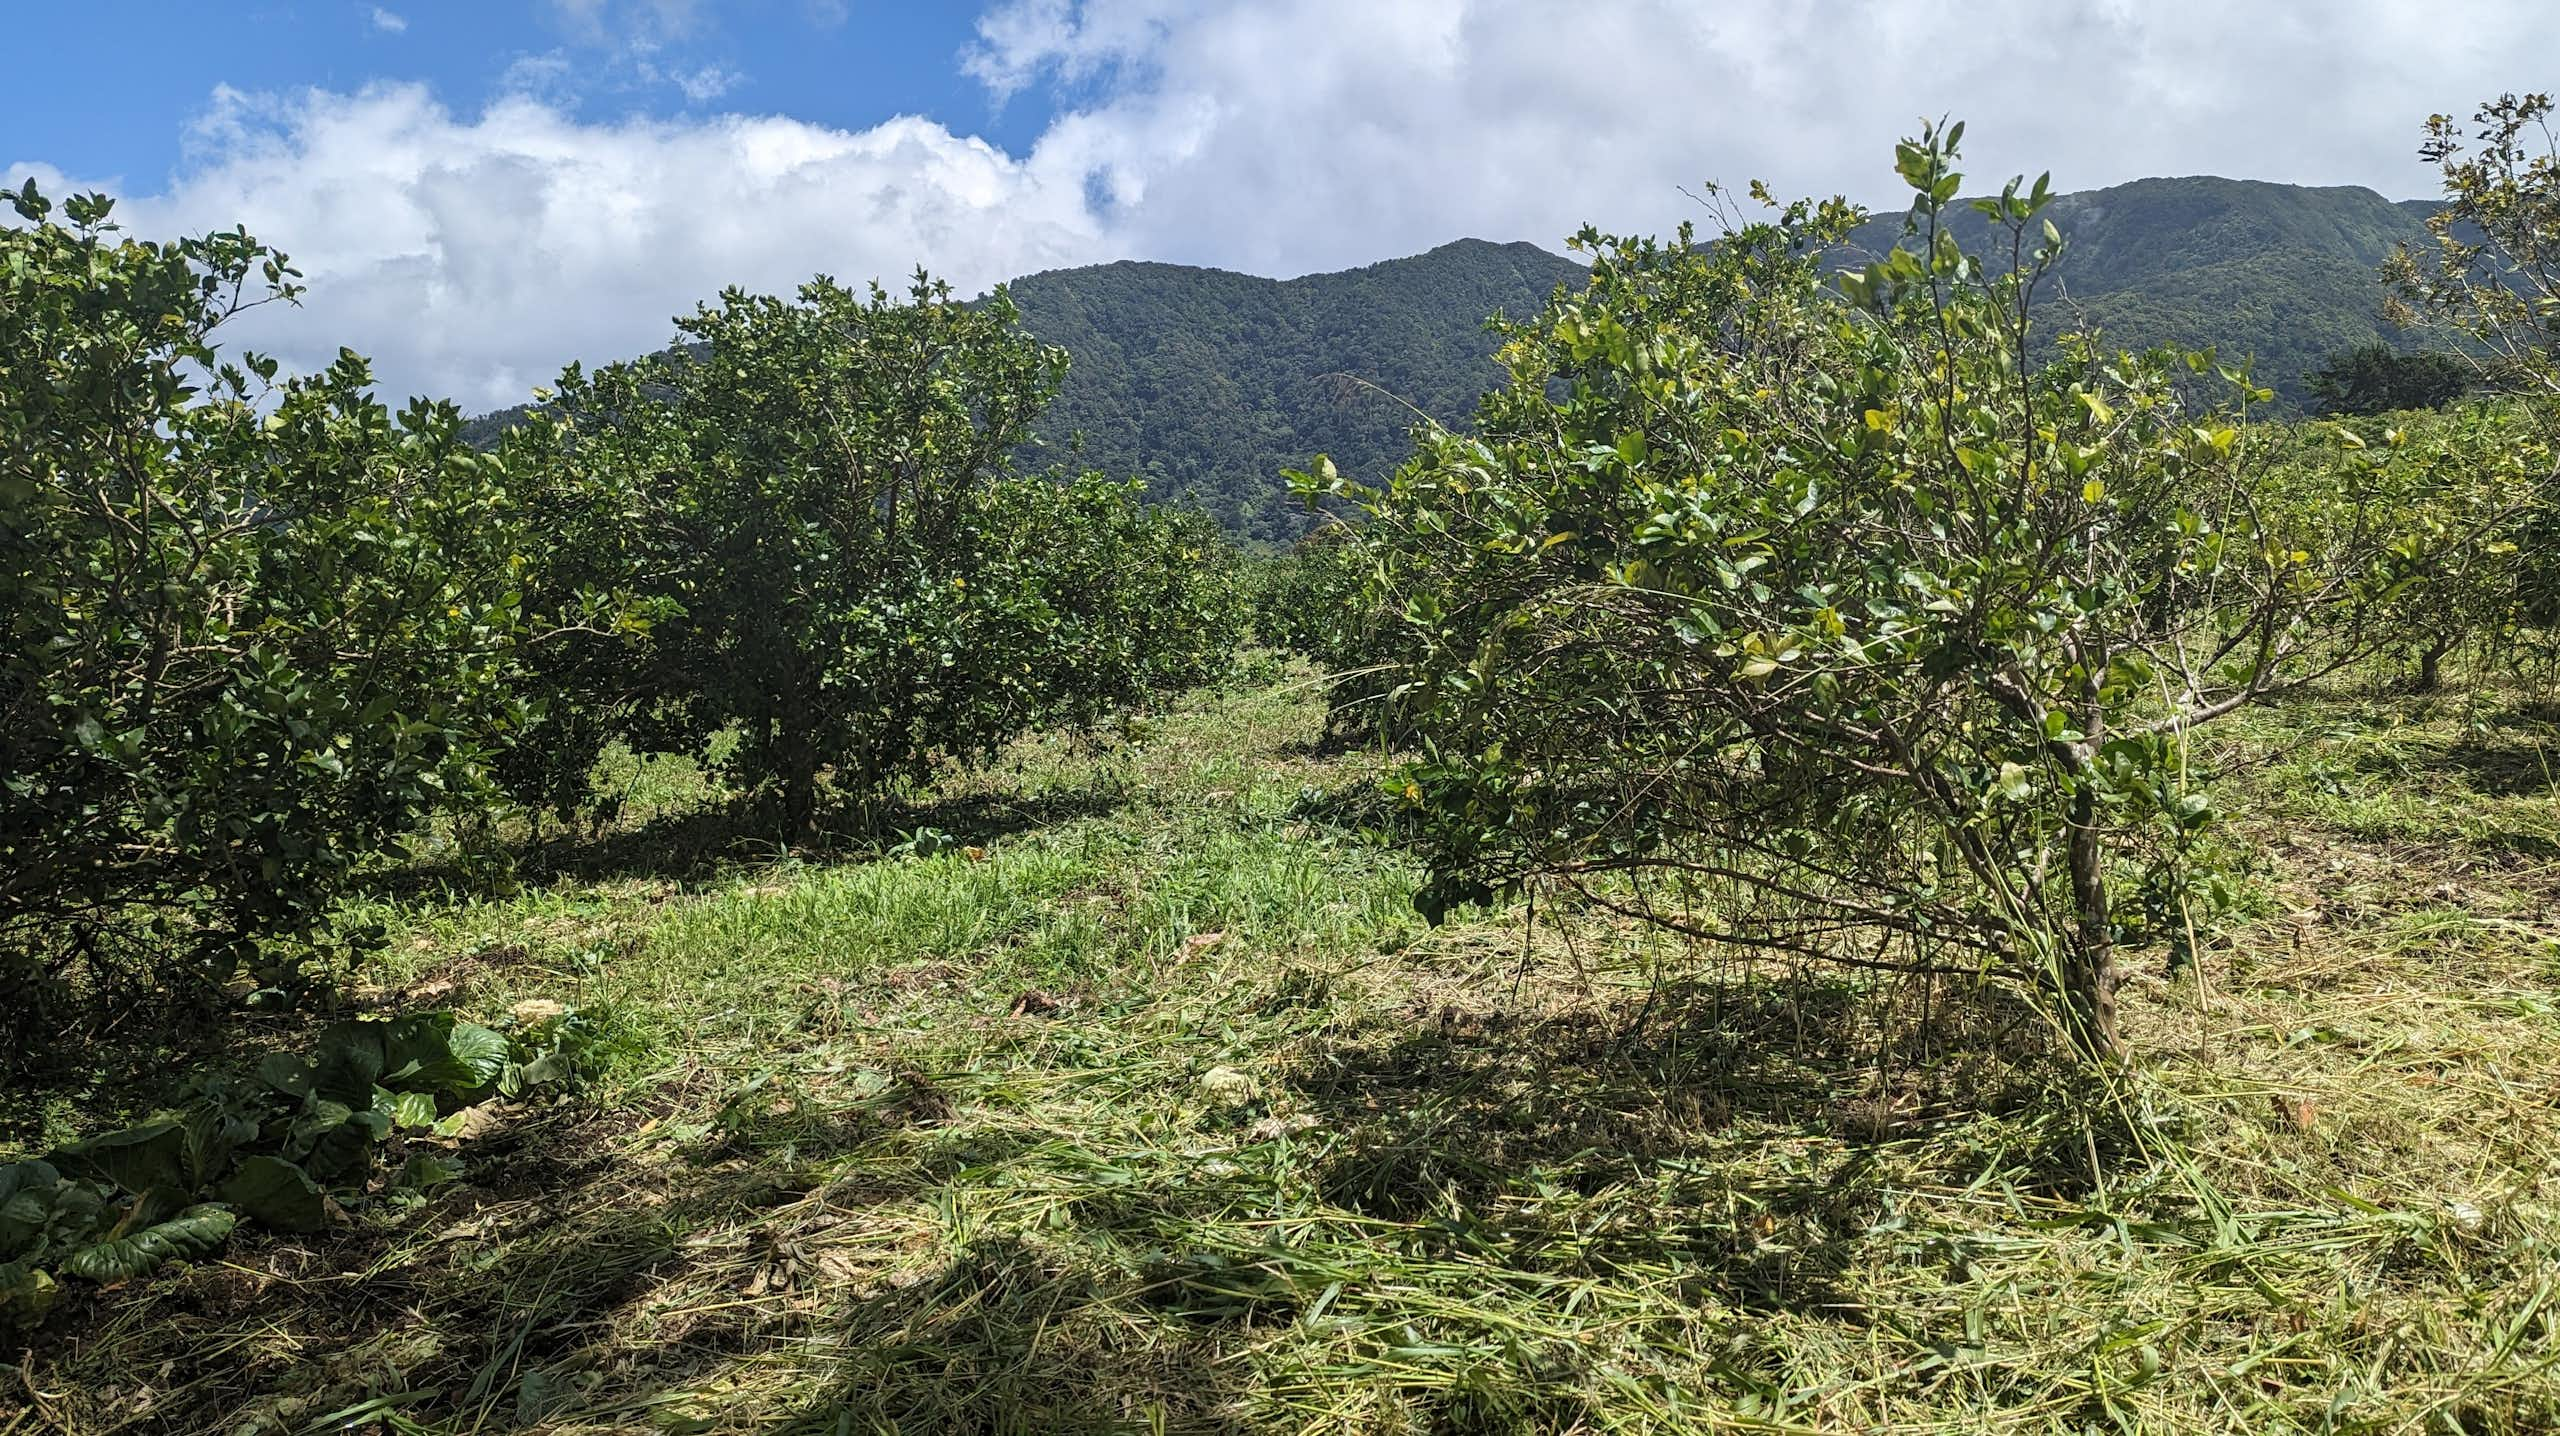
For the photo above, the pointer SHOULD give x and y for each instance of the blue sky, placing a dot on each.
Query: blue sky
(848, 64)
(480, 192)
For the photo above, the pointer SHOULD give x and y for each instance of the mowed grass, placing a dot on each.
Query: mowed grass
(1149, 1105)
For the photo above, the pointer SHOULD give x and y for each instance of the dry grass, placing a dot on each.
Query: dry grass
(1162, 1113)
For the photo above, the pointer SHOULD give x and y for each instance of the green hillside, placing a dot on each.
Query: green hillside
(1209, 383)
(2283, 274)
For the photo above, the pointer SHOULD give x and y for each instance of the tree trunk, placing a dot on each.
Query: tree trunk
(2089, 977)
(2431, 665)
(799, 788)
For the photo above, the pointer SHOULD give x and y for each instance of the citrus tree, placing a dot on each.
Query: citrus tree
(1095, 601)
(2460, 489)
(1319, 600)
(2489, 283)
(1849, 619)
(258, 631)
(814, 501)
(2490, 278)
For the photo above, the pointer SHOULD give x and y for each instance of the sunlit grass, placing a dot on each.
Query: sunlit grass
(1146, 1103)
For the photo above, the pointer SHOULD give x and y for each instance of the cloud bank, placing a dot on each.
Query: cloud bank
(472, 254)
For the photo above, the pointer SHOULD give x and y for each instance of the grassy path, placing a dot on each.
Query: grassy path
(1149, 1105)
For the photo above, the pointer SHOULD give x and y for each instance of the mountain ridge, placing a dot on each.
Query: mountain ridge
(1207, 383)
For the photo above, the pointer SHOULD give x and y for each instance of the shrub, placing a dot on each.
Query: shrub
(1096, 601)
(813, 500)
(258, 631)
(1849, 629)
(2490, 281)
(2378, 379)
(2459, 494)
(1321, 601)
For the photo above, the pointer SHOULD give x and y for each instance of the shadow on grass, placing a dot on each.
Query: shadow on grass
(567, 1284)
(1707, 1100)
(2526, 767)
(2507, 756)
(694, 844)
(775, 1269)
(1010, 1336)
(704, 842)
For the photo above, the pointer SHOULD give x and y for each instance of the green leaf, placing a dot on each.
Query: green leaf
(26, 1201)
(334, 1141)
(135, 1160)
(412, 1110)
(275, 1192)
(286, 1073)
(432, 1052)
(191, 1233)
(347, 1062)
(481, 1054)
(425, 1171)
(26, 1293)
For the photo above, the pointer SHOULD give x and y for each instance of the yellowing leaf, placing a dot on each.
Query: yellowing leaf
(2093, 491)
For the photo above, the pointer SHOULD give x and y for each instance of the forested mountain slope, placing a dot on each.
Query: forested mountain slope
(2283, 274)
(1209, 383)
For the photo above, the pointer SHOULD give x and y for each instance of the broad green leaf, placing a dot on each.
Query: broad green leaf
(27, 1292)
(191, 1233)
(135, 1160)
(276, 1193)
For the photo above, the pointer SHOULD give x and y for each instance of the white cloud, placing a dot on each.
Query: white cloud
(700, 85)
(473, 254)
(621, 46)
(547, 76)
(387, 22)
(1287, 135)
(644, 23)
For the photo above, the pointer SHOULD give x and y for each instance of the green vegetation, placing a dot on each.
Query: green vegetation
(281, 1150)
(813, 502)
(1907, 869)
(1793, 624)
(2489, 271)
(1209, 384)
(1163, 1111)
(258, 633)
(2378, 379)
(266, 639)
(2279, 276)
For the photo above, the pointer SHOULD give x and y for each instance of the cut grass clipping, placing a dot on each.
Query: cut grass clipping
(1131, 1096)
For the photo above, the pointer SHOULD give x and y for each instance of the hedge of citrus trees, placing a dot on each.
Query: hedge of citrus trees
(263, 632)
